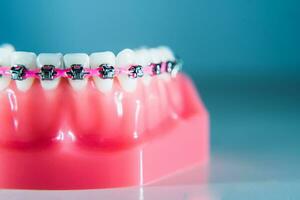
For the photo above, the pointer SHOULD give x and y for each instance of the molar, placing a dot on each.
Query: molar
(80, 59)
(54, 59)
(28, 60)
(100, 58)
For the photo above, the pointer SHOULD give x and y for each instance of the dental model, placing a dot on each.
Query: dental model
(76, 121)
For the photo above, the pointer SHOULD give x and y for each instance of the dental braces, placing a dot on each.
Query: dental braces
(78, 72)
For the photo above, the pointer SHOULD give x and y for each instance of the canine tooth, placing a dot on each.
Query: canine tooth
(4, 61)
(126, 58)
(97, 59)
(143, 58)
(27, 59)
(81, 59)
(54, 59)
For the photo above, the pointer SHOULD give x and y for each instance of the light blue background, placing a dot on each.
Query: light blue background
(211, 35)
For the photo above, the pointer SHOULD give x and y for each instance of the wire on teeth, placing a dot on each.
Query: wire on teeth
(77, 72)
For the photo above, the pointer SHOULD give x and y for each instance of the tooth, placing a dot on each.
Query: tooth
(143, 58)
(166, 55)
(54, 59)
(8, 47)
(27, 59)
(96, 59)
(77, 58)
(155, 55)
(5, 54)
(124, 59)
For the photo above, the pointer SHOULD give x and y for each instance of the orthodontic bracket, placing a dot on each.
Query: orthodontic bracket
(156, 68)
(136, 71)
(77, 72)
(106, 71)
(18, 72)
(47, 72)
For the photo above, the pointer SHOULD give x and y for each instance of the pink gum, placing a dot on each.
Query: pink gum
(65, 164)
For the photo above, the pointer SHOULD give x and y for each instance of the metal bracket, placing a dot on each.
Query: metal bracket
(18, 72)
(47, 72)
(77, 72)
(106, 71)
(136, 71)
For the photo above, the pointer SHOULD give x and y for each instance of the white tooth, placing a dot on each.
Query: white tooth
(124, 59)
(159, 55)
(77, 58)
(5, 55)
(10, 48)
(143, 58)
(96, 59)
(155, 55)
(27, 59)
(54, 59)
(166, 55)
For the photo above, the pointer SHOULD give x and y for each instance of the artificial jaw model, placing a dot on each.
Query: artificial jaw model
(79, 121)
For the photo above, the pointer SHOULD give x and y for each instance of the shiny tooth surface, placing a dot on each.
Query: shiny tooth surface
(143, 58)
(5, 54)
(155, 55)
(77, 58)
(124, 59)
(27, 59)
(166, 54)
(54, 59)
(97, 59)
(8, 47)
(5, 57)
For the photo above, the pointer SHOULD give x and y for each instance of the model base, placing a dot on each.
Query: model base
(66, 167)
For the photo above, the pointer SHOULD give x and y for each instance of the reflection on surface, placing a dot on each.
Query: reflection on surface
(157, 193)
(228, 177)
(190, 184)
